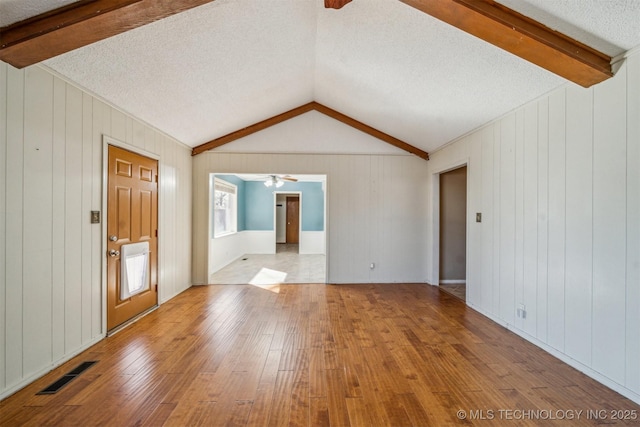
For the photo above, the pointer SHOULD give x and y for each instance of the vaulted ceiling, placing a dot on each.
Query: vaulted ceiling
(207, 72)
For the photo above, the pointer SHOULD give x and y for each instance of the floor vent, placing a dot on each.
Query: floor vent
(66, 378)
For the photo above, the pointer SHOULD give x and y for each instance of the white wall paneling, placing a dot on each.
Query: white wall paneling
(557, 220)
(632, 339)
(73, 220)
(312, 242)
(474, 230)
(542, 256)
(37, 208)
(518, 238)
(609, 226)
(559, 189)
(579, 219)
(226, 249)
(497, 134)
(100, 114)
(260, 241)
(58, 220)
(14, 356)
(530, 219)
(3, 216)
(175, 207)
(376, 205)
(507, 222)
(50, 253)
(86, 227)
(485, 294)
(379, 221)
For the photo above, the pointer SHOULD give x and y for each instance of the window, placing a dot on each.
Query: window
(224, 208)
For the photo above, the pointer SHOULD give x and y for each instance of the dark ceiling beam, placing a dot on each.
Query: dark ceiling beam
(522, 36)
(335, 4)
(252, 129)
(371, 131)
(79, 24)
(305, 109)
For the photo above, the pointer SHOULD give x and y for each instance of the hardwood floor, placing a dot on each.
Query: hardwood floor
(316, 355)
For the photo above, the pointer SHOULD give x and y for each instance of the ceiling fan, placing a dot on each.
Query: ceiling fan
(278, 180)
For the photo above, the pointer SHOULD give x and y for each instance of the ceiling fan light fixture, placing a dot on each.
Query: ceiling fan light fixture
(278, 180)
(274, 180)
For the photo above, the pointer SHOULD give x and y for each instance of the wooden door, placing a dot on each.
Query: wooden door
(132, 217)
(293, 219)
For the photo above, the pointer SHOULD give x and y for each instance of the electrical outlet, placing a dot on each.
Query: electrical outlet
(522, 311)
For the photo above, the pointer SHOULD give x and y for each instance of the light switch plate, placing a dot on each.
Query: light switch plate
(478, 217)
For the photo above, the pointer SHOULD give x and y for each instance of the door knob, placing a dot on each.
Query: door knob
(113, 238)
(114, 253)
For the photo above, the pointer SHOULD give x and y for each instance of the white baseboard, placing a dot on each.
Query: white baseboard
(619, 388)
(453, 282)
(31, 378)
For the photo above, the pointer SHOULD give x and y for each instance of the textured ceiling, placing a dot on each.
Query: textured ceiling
(228, 64)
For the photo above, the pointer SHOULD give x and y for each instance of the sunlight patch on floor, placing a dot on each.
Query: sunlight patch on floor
(269, 279)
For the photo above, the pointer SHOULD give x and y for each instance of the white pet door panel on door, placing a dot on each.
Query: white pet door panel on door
(134, 269)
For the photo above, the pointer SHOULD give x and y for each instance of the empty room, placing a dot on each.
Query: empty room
(319, 212)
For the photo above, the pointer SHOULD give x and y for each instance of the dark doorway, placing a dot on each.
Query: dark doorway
(453, 231)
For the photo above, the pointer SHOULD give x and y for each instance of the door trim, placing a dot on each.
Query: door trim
(106, 142)
(275, 223)
(435, 219)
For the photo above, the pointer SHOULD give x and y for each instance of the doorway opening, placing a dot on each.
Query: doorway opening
(453, 232)
(288, 215)
(279, 233)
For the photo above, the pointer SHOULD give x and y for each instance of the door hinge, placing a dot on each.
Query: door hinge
(156, 178)
(156, 288)
(156, 233)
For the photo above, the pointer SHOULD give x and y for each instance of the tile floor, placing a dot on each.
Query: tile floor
(286, 266)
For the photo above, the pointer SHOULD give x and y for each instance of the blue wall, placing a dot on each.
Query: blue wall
(259, 205)
(313, 209)
(255, 203)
